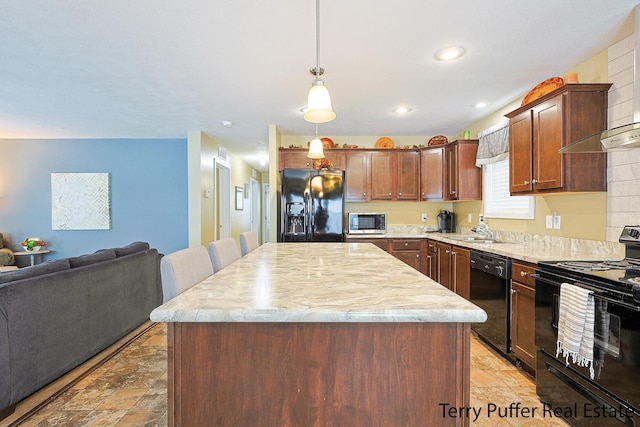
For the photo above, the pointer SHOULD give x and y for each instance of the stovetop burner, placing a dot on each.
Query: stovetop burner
(625, 264)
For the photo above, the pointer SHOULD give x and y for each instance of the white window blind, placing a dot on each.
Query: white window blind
(498, 203)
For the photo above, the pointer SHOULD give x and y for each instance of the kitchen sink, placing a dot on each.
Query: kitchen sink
(477, 239)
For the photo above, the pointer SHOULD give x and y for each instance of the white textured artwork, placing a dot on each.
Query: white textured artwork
(80, 201)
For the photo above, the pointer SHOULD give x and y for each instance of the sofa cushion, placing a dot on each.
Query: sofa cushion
(36, 270)
(88, 259)
(132, 248)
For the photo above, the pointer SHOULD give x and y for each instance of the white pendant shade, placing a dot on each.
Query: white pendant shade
(319, 104)
(316, 149)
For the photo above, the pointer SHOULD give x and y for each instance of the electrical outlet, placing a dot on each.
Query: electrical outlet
(549, 221)
(424, 217)
(556, 222)
(469, 218)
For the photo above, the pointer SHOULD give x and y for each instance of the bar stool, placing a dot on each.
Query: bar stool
(248, 242)
(222, 253)
(182, 269)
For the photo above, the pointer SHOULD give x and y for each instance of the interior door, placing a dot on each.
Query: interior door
(255, 206)
(223, 201)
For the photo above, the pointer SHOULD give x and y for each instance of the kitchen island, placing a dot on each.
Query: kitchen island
(318, 334)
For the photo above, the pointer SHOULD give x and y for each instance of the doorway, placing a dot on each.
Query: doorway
(223, 200)
(266, 208)
(255, 206)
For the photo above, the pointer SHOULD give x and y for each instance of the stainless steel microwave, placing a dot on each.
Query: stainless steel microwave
(367, 223)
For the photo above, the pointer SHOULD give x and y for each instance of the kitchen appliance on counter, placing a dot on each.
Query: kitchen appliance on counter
(614, 390)
(312, 206)
(446, 221)
(489, 290)
(367, 223)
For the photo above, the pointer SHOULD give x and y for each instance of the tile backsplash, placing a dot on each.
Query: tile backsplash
(623, 170)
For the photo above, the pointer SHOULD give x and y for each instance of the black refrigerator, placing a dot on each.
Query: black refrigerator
(312, 208)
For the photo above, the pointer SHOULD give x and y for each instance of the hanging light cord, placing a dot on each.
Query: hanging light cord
(318, 73)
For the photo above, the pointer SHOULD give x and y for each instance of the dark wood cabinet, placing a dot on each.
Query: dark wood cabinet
(379, 242)
(461, 271)
(443, 264)
(432, 173)
(454, 268)
(409, 251)
(381, 175)
(523, 313)
(539, 129)
(430, 260)
(296, 158)
(449, 172)
(357, 177)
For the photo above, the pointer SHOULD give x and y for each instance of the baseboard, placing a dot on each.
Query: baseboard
(33, 403)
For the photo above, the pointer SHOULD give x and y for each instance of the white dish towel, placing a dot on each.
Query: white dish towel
(576, 326)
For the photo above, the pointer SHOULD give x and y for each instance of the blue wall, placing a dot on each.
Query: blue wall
(148, 179)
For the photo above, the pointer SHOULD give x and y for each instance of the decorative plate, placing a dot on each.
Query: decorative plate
(438, 140)
(542, 89)
(384, 142)
(327, 143)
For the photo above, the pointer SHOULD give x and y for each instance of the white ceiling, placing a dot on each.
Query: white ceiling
(157, 69)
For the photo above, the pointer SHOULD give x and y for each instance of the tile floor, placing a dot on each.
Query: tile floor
(130, 390)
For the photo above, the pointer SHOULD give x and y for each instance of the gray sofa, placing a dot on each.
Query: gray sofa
(56, 315)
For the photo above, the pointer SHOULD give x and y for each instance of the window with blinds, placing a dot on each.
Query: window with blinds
(498, 203)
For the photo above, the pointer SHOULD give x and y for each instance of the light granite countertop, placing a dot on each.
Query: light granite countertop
(531, 248)
(318, 282)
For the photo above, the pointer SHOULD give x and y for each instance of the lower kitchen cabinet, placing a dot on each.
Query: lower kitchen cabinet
(381, 243)
(409, 251)
(430, 260)
(523, 302)
(453, 268)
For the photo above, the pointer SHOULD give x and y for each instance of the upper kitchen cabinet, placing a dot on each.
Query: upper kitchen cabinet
(357, 180)
(296, 158)
(539, 129)
(394, 175)
(383, 174)
(449, 172)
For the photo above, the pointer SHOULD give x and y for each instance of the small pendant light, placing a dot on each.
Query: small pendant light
(316, 148)
(319, 101)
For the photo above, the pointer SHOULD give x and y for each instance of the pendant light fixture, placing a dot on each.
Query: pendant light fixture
(319, 102)
(316, 148)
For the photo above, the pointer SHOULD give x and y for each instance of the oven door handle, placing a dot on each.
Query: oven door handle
(628, 306)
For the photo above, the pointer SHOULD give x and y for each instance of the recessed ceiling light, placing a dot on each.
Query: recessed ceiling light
(227, 123)
(449, 53)
(480, 105)
(402, 110)
(263, 161)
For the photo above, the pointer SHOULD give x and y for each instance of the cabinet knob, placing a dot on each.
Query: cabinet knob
(447, 251)
(453, 191)
(526, 182)
(423, 193)
(513, 291)
(399, 194)
(534, 181)
(364, 194)
(389, 194)
(406, 243)
(523, 273)
(418, 256)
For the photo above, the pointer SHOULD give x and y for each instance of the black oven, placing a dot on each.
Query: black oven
(489, 290)
(612, 396)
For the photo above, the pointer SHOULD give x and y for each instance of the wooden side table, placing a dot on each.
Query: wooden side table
(32, 254)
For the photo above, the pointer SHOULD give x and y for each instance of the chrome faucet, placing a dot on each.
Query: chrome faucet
(483, 229)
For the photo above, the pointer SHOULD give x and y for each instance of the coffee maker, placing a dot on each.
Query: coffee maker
(446, 221)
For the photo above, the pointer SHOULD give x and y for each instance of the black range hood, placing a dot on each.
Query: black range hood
(621, 138)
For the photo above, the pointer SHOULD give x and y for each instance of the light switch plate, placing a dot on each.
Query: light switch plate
(556, 222)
